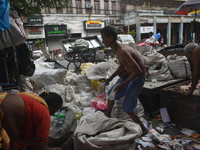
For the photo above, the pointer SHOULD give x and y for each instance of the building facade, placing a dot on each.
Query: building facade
(82, 18)
(157, 16)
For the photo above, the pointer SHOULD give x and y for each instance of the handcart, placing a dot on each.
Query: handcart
(94, 52)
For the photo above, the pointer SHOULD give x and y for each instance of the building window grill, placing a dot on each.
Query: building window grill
(69, 8)
(113, 7)
(59, 10)
(78, 7)
(47, 10)
(96, 7)
(106, 7)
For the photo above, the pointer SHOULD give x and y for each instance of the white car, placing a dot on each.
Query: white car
(125, 38)
(37, 53)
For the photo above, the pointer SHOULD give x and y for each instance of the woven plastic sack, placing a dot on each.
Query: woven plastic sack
(15, 35)
(81, 43)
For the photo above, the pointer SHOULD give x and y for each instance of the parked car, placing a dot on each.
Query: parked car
(125, 38)
(144, 42)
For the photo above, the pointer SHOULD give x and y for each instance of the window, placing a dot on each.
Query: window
(96, 7)
(69, 7)
(78, 7)
(47, 10)
(88, 10)
(113, 7)
(106, 7)
(59, 10)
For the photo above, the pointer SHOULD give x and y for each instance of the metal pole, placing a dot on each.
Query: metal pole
(128, 18)
(181, 33)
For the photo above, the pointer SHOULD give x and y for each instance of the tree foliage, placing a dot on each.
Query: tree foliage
(31, 7)
(39, 43)
(133, 34)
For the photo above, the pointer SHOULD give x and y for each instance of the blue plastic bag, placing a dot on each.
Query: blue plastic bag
(157, 36)
(4, 15)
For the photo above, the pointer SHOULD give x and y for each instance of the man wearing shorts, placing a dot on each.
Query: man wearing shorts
(131, 72)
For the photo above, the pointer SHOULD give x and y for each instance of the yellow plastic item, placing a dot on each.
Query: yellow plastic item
(96, 83)
(85, 66)
(78, 115)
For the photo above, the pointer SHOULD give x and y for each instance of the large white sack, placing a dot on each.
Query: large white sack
(96, 131)
(44, 75)
(74, 107)
(82, 87)
(66, 92)
(153, 57)
(179, 66)
(26, 84)
(142, 49)
(160, 72)
(101, 70)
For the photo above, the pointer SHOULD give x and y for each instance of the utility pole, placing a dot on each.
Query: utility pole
(127, 3)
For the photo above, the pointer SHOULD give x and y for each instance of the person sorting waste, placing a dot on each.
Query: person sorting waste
(131, 72)
(25, 119)
(192, 51)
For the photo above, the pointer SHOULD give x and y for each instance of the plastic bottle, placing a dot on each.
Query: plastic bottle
(101, 88)
(54, 120)
(56, 124)
(107, 88)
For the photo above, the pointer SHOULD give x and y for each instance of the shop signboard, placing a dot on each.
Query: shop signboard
(33, 32)
(35, 20)
(55, 30)
(146, 29)
(94, 25)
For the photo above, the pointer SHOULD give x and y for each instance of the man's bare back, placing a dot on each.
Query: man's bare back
(124, 52)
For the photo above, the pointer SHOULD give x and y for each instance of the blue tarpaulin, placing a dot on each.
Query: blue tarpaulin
(4, 15)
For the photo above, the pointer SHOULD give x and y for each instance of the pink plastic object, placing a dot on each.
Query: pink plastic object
(99, 102)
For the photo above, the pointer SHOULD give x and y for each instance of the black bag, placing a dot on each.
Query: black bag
(25, 64)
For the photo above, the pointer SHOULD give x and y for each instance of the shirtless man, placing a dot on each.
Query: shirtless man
(192, 51)
(131, 72)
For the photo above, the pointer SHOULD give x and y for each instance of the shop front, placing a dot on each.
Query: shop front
(93, 27)
(35, 35)
(54, 34)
